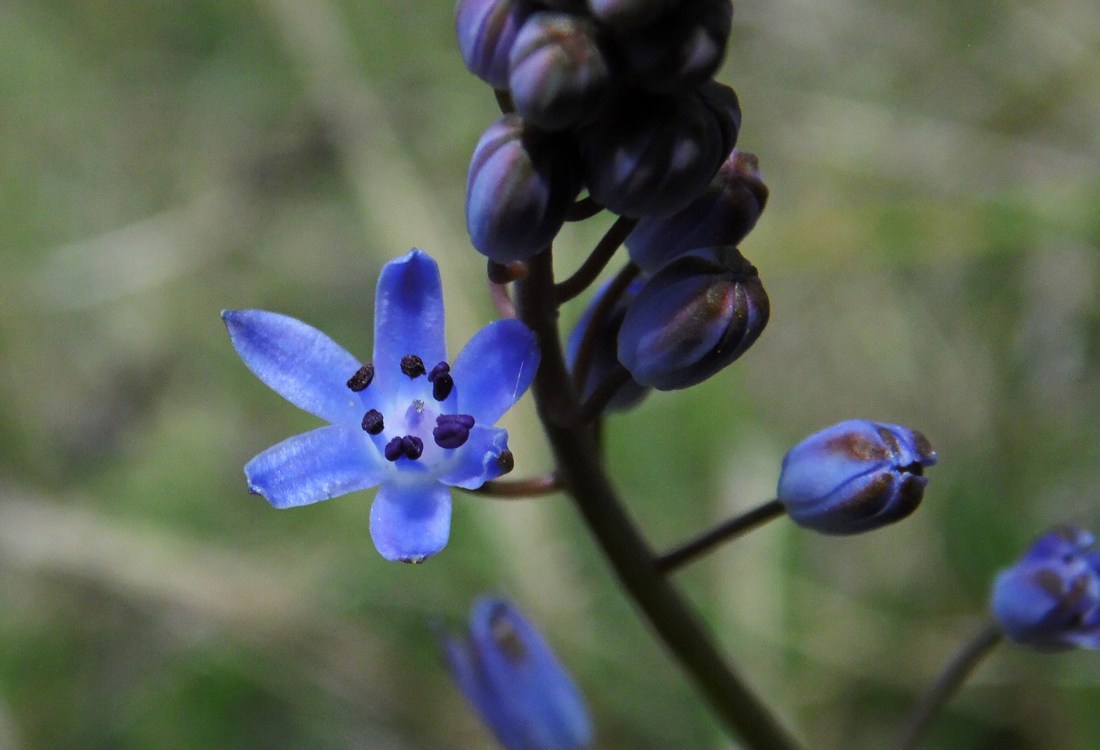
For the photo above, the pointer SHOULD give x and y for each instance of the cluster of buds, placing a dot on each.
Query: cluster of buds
(613, 97)
(616, 98)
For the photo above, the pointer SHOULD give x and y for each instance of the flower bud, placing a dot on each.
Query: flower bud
(723, 215)
(692, 318)
(855, 476)
(521, 184)
(626, 15)
(486, 30)
(722, 102)
(557, 75)
(604, 356)
(681, 49)
(512, 678)
(653, 155)
(1050, 599)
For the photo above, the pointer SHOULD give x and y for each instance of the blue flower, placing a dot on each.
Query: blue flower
(1050, 598)
(407, 421)
(516, 684)
(855, 476)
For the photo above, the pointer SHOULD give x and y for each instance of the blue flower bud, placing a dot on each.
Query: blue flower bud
(855, 476)
(681, 49)
(1050, 599)
(604, 355)
(521, 184)
(692, 318)
(723, 215)
(653, 155)
(512, 678)
(626, 15)
(558, 76)
(722, 102)
(486, 31)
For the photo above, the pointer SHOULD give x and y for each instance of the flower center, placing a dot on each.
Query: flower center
(409, 429)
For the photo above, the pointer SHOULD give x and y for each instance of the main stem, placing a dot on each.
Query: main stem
(581, 471)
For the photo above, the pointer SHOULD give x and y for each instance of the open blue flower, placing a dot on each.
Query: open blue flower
(407, 421)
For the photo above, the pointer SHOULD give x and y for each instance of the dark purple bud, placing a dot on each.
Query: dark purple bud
(692, 318)
(681, 49)
(604, 357)
(373, 422)
(362, 378)
(573, 6)
(521, 184)
(486, 31)
(452, 430)
(722, 102)
(626, 15)
(652, 155)
(722, 216)
(412, 365)
(441, 380)
(558, 76)
(1050, 599)
(855, 476)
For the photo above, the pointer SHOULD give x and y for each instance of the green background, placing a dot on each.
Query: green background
(930, 250)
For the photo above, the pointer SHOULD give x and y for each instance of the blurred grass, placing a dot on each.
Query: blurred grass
(929, 249)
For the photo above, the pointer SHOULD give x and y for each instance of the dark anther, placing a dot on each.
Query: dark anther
(452, 430)
(393, 450)
(409, 446)
(506, 461)
(441, 380)
(362, 377)
(412, 446)
(372, 422)
(412, 365)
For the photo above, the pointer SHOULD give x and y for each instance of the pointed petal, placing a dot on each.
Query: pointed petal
(316, 465)
(479, 460)
(494, 369)
(410, 522)
(297, 361)
(408, 313)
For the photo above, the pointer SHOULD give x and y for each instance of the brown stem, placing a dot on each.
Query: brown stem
(945, 686)
(520, 489)
(595, 263)
(724, 532)
(582, 473)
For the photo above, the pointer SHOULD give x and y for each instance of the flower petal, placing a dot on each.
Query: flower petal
(479, 460)
(408, 313)
(315, 465)
(494, 369)
(297, 361)
(411, 521)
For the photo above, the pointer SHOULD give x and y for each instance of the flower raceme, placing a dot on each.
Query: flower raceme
(855, 476)
(409, 421)
(507, 671)
(1050, 599)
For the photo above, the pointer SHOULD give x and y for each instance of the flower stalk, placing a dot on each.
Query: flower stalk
(726, 531)
(580, 468)
(945, 686)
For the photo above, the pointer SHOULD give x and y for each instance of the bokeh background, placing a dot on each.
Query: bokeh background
(930, 250)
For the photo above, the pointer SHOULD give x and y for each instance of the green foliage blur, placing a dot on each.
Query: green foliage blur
(930, 250)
